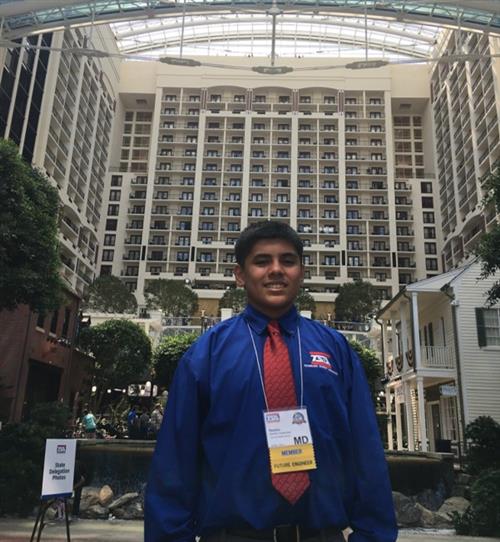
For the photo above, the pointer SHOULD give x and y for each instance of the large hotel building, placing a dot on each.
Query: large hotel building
(160, 167)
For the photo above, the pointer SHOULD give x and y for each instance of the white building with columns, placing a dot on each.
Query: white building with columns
(442, 360)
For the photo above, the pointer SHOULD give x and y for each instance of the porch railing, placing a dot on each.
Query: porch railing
(437, 357)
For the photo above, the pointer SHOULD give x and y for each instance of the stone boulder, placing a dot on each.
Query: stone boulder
(133, 510)
(454, 504)
(430, 498)
(106, 495)
(90, 496)
(96, 511)
(408, 513)
(433, 520)
(123, 501)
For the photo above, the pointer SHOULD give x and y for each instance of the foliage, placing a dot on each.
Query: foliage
(371, 365)
(235, 299)
(122, 354)
(108, 294)
(172, 297)
(167, 355)
(29, 258)
(22, 448)
(482, 517)
(488, 249)
(483, 435)
(305, 302)
(356, 302)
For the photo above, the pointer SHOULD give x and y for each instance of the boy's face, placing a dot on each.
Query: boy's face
(271, 275)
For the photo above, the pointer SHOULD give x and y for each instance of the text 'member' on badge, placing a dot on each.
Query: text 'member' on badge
(289, 440)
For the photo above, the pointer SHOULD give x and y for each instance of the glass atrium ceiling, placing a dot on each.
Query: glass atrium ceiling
(320, 28)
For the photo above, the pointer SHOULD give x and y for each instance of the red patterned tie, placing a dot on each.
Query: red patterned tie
(280, 393)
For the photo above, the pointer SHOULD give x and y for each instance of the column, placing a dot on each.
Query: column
(388, 404)
(409, 417)
(399, 425)
(421, 414)
(416, 331)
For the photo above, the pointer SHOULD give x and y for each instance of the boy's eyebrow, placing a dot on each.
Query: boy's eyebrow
(281, 255)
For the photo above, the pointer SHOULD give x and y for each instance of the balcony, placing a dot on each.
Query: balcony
(437, 357)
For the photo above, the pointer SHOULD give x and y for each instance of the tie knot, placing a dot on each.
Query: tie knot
(273, 327)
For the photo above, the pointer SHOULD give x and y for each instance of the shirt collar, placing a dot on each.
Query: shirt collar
(258, 321)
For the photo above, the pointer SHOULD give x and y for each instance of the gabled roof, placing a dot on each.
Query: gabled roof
(435, 284)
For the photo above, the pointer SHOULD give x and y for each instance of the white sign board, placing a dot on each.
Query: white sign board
(448, 390)
(58, 468)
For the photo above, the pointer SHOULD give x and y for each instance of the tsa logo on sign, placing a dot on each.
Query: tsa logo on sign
(61, 449)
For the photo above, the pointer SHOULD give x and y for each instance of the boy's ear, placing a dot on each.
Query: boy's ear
(239, 275)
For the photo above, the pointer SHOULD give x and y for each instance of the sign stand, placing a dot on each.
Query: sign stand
(40, 524)
(58, 474)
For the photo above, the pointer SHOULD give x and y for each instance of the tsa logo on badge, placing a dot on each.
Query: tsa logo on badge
(321, 360)
(272, 417)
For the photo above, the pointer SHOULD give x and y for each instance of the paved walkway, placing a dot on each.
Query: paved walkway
(14, 530)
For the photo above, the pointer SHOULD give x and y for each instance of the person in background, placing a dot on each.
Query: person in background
(270, 431)
(143, 425)
(132, 422)
(89, 424)
(156, 419)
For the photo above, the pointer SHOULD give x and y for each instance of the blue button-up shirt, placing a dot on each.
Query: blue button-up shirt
(210, 469)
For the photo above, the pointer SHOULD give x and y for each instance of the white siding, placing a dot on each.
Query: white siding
(480, 366)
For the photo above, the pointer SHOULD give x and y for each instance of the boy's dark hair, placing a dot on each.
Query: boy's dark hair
(265, 229)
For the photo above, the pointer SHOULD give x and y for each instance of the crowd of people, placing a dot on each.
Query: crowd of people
(139, 424)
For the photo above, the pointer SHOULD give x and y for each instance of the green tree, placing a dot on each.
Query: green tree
(122, 354)
(488, 249)
(234, 298)
(172, 297)
(29, 258)
(22, 448)
(372, 366)
(108, 294)
(356, 302)
(305, 301)
(167, 355)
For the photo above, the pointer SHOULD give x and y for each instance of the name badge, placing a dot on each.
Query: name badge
(289, 440)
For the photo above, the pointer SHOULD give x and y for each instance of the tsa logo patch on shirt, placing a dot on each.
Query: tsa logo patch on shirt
(321, 360)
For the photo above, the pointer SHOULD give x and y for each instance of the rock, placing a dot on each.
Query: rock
(123, 501)
(432, 520)
(133, 510)
(430, 499)
(408, 513)
(454, 504)
(106, 495)
(90, 496)
(95, 511)
(50, 514)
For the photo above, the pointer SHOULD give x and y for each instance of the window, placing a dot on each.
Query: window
(429, 233)
(427, 203)
(430, 248)
(113, 210)
(428, 217)
(53, 321)
(107, 255)
(114, 195)
(116, 180)
(109, 240)
(426, 188)
(488, 327)
(431, 264)
(111, 224)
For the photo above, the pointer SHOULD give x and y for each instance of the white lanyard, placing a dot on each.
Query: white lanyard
(260, 370)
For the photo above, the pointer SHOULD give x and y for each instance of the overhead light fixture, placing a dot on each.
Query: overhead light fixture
(95, 53)
(272, 70)
(174, 61)
(366, 64)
